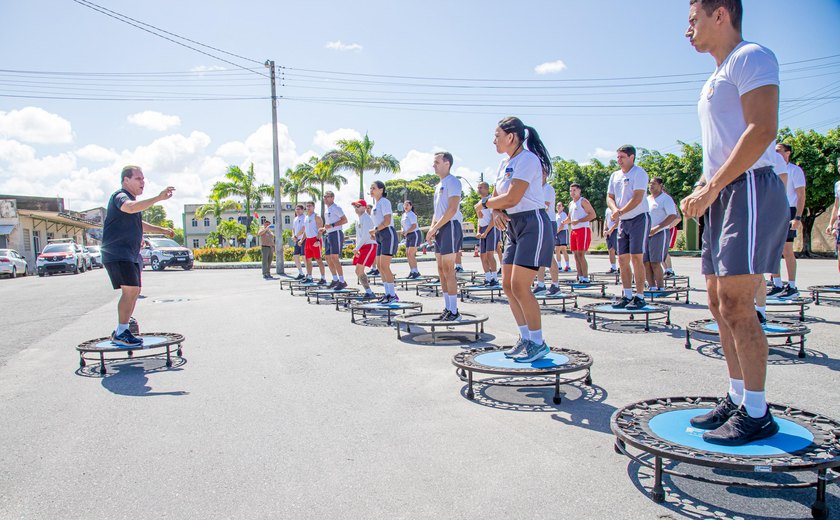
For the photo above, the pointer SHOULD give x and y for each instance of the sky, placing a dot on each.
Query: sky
(83, 93)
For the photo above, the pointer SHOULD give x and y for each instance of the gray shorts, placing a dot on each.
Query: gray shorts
(333, 243)
(657, 247)
(633, 234)
(561, 238)
(529, 240)
(490, 243)
(744, 230)
(450, 238)
(611, 239)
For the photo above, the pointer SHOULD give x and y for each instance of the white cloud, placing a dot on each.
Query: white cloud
(232, 149)
(35, 125)
(96, 153)
(207, 68)
(416, 163)
(343, 47)
(602, 154)
(327, 140)
(550, 67)
(152, 120)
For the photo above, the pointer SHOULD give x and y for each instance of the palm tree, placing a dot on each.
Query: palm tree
(356, 155)
(324, 173)
(296, 181)
(241, 184)
(217, 206)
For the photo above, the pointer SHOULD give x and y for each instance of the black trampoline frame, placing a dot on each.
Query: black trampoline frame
(89, 347)
(387, 311)
(468, 319)
(327, 294)
(659, 313)
(472, 290)
(799, 330)
(817, 290)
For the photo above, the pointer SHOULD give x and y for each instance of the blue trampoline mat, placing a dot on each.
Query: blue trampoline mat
(481, 288)
(675, 427)
(382, 306)
(658, 294)
(498, 360)
(767, 327)
(148, 341)
(608, 308)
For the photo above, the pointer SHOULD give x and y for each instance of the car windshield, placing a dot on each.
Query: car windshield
(5, 252)
(164, 242)
(58, 248)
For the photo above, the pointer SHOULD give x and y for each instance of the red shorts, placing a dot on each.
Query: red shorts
(673, 237)
(365, 256)
(312, 248)
(581, 239)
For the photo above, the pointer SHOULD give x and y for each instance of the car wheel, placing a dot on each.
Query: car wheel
(14, 272)
(156, 264)
(41, 275)
(187, 267)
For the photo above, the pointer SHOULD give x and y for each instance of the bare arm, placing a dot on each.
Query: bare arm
(136, 206)
(511, 198)
(832, 221)
(590, 212)
(151, 228)
(665, 224)
(800, 205)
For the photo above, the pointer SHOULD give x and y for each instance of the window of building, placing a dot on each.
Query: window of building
(196, 243)
(218, 221)
(36, 241)
(194, 223)
(27, 241)
(262, 220)
(286, 220)
(206, 222)
(50, 235)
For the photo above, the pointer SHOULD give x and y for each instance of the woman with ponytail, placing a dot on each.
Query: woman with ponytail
(518, 206)
(386, 238)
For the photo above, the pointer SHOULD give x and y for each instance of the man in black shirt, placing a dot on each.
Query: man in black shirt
(122, 234)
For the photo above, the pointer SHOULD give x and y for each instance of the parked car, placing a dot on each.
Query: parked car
(95, 253)
(470, 244)
(86, 260)
(12, 263)
(160, 252)
(60, 257)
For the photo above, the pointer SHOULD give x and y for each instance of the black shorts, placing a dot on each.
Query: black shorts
(123, 273)
(530, 243)
(791, 234)
(298, 249)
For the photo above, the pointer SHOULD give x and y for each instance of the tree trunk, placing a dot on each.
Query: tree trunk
(807, 227)
(361, 184)
(322, 204)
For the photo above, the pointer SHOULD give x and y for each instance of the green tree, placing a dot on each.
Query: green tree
(679, 172)
(468, 203)
(216, 206)
(357, 156)
(296, 181)
(243, 184)
(231, 231)
(592, 177)
(324, 173)
(419, 193)
(156, 216)
(179, 236)
(817, 155)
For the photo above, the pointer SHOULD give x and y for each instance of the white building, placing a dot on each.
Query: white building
(197, 229)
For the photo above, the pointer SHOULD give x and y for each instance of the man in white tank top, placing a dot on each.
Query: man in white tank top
(581, 214)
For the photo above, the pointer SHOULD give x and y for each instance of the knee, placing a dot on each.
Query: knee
(130, 291)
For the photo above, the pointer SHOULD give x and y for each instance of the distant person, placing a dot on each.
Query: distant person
(413, 238)
(312, 244)
(780, 168)
(266, 248)
(447, 233)
(333, 232)
(374, 271)
(550, 203)
(561, 239)
(581, 214)
(663, 213)
(611, 235)
(122, 235)
(833, 227)
(459, 268)
(364, 253)
(386, 238)
(488, 238)
(795, 190)
(298, 237)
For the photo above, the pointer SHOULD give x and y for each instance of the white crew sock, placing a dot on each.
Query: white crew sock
(335, 278)
(452, 303)
(540, 284)
(341, 279)
(762, 310)
(523, 332)
(755, 403)
(736, 391)
(612, 265)
(300, 270)
(488, 276)
(494, 275)
(536, 336)
(389, 289)
(567, 265)
(792, 284)
(121, 327)
(446, 301)
(777, 281)
(457, 266)
(628, 293)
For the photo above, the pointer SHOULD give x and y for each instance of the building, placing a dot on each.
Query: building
(27, 223)
(196, 230)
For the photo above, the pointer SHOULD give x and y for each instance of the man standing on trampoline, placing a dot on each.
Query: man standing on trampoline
(447, 232)
(663, 214)
(833, 228)
(298, 236)
(312, 242)
(334, 240)
(738, 111)
(581, 214)
(122, 234)
(488, 237)
(365, 251)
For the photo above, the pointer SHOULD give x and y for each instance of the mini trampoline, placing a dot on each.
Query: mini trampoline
(327, 294)
(585, 289)
(549, 300)
(344, 300)
(467, 275)
(480, 292)
(605, 276)
(772, 330)
(433, 287)
(287, 283)
(425, 319)
(660, 429)
(405, 283)
(546, 372)
(677, 281)
(380, 309)
(305, 287)
(105, 351)
(789, 305)
(825, 293)
(651, 312)
(667, 293)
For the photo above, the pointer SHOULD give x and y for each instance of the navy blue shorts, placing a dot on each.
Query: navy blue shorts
(529, 240)
(633, 234)
(333, 243)
(298, 249)
(561, 238)
(489, 243)
(450, 238)
(791, 235)
(657, 247)
(611, 239)
(123, 273)
(386, 242)
(413, 239)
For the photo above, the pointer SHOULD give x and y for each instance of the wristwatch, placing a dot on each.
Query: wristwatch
(797, 217)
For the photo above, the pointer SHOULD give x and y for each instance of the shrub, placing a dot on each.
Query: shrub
(347, 252)
(680, 244)
(219, 254)
(400, 252)
(600, 247)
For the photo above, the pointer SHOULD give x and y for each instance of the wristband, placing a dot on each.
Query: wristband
(698, 184)
(797, 217)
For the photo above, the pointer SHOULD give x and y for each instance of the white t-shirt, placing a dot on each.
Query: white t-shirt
(448, 187)
(524, 167)
(796, 179)
(623, 185)
(577, 212)
(310, 226)
(837, 190)
(660, 208)
(363, 228)
(781, 167)
(608, 222)
(748, 67)
(560, 218)
(380, 209)
(297, 225)
(550, 200)
(485, 218)
(408, 219)
(334, 214)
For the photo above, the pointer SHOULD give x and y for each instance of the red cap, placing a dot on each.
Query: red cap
(360, 202)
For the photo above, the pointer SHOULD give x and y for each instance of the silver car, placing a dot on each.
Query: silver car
(12, 264)
(95, 254)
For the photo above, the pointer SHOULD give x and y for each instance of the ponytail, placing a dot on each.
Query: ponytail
(533, 141)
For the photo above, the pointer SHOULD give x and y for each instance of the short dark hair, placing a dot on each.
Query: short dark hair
(310, 203)
(446, 157)
(380, 185)
(410, 203)
(574, 185)
(788, 148)
(735, 8)
(629, 149)
(128, 172)
(658, 180)
(299, 206)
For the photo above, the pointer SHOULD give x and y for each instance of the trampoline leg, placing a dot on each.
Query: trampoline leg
(434, 336)
(619, 446)
(801, 353)
(398, 330)
(352, 315)
(130, 353)
(470, 393)
(557, 399)
(647, 322)
(668, 318)
(81, 361)
(388, 314)
(476, 332)
(564, 306)
(588, 380)
(658, 492)
(179, 352)
(687, 339)
(168, 357)
(462, 296)
(593, 326)
(102, 369)
(802, 313)
(819, 509)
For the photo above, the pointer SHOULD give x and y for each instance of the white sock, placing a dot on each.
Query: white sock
(487, 276)
(494, 275)
(612, 265)
(755, 404)
(628, 293)
(792, 284)
(762, 310)
(368, 291)
(389, 288)
(121, 327)
(457, 266)
(567, 265)
(523, 332)
(452, 303)
(540, 283)
(446, 300)
(300, 271)
(736, 391)
(341, 279)
(536, 336)
(777, 281)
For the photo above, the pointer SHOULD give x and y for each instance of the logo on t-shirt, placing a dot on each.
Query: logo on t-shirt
(711, 91)
(508, 172)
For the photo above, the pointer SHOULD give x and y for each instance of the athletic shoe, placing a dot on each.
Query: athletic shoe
(340, 285)
(622, 303)
(368, 296)
(394, 299)
(670, 274)
(761, 318)
(538, 289)
(788, 293)
(493, 283)
(370, 272)
(332, 284)
(300, 276)
(385, 298)
(533, 352)
(444, 316)
(517, 349)
(775, 291)
(584, 279)
(567, 269)
(308, 280)
(454, 316)
(612, 270)
(637, 303)
(741, 429)
(715, 418)
(126, 339)
(553, 290)
(499, 272)
(459, 269)
(322, 282)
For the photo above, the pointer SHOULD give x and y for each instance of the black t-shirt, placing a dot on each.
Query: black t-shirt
(122, 232)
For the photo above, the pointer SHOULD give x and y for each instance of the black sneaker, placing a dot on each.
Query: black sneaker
(775, 291)
(538, 289)
(636, 303)
(444, 316)
(308, 280)
(719, 415)
(612, 270)
(499, 272)
(670, 274)
(300, 276)
(384, 299)
(375, 272)
(553, 290)
(454, 316)
(371, 272)
(741, 429)
(493, 283)
(332, 284)
(459, 269)
(622, 303)
(340, 285)
(368, 296)
(322, 282)
(761, 318)
(788, 293)
(126, 339)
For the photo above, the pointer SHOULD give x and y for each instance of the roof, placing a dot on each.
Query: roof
(63, 218)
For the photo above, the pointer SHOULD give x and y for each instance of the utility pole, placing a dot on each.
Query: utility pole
(279, 245)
